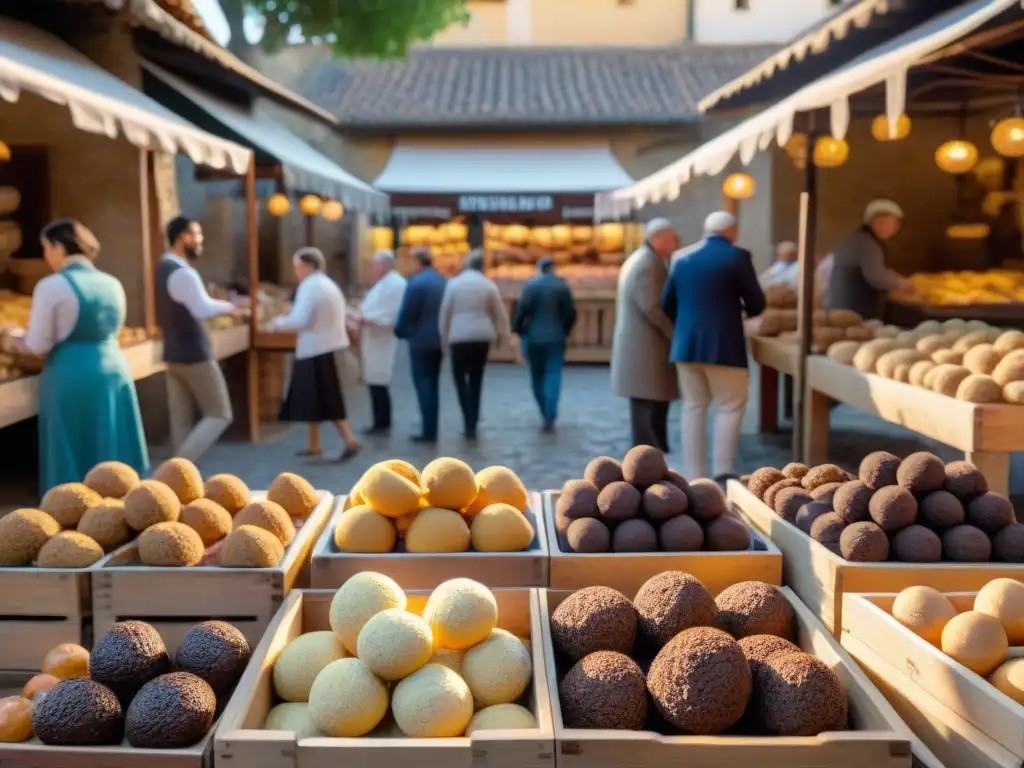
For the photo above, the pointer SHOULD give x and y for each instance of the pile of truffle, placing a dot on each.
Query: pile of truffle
(641, 505)
(128, 689)
(431, 672)
(719, 664)
(446, 508)
(917, 510)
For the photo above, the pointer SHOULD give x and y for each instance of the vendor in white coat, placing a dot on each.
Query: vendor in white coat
(380, 312)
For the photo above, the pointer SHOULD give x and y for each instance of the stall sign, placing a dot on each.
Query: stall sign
(421, 212)
(577, 212)
(506, 203)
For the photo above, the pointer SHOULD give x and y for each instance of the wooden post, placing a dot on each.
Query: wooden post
(310, 230)
(253, 252)
(805, 300)
(152, 239)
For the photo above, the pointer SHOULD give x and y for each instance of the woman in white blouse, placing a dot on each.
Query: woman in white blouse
(315, 392)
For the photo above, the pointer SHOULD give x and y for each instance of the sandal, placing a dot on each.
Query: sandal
(347, 454)
(307, 453)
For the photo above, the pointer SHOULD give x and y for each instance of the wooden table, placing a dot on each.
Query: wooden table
(774, 356)
(987, 434)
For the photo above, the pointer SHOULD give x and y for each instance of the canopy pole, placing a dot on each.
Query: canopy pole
(252, 248)
(805, 294)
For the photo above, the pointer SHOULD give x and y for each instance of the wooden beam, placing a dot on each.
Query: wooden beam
(253, 255)
(805, 296)
(150, 221)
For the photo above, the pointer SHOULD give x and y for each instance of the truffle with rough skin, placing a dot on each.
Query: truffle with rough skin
(182, 477)
(754, 608)
(672, 601)
(1008, 544)
(966, 544)
(964, 480)
(1010, 368)
(726, 534)
(270, 516)
(577, 499)
(677, 480)
(1009, 341)
(893, 508)
(706, 500)
(151, 502)
(604, 690)
(878, 469)
(662, 501)
(774, 490)
(810, 512)
(588, 535)
(852, 502)
(990, 512)
(618, 501)
(864, 543)
(23, 533)
(228, 491)
(172, 711)
(921, 472)
(594, 619)
(940, 510)
(69, 549)
(68, 502)
(215, 651)
(827, 530)
(759, 648)
(126, 657)
(634, 536)
(207, 518)
(700, 681)
(763, 479)
(78, 712)
(250, 547)
(800, 695)
(294, 493)
(795, 470)
(170, 545)
(826, 492)
(105, 524)
(824, 473)
(917, 544)
(602, 471)
(643, 466)
(788, 502)
(681, 534)
(112, 479)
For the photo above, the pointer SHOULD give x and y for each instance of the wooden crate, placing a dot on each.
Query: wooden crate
(529, 568)
(40, 608)
(880, 739)
(820, 577)
(35, 754)
(958, 714)
(175, 599)
(627, 572)
(239, 740)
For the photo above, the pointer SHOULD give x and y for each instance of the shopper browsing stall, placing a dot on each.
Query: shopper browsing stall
(785, 270)
(379, 315)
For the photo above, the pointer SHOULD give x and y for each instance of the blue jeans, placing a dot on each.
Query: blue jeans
(546, 362)
(426, 370)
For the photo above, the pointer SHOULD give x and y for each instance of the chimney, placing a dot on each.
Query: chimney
(519, 21)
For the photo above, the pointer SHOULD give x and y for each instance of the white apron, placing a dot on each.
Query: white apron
(378, 343)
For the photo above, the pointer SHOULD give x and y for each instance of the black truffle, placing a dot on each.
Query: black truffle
(827, 530)
(594, 619)
(864, 543)
(795, 470)
(634, 536)
(917, 544)
(878, 469)
(799, 695)
(964, 480)
(578, 499)
(893, 508)
(826, 492)
(588, 535)
(681, 534)
(810, 512)
(604, 690)
(643, 466)
(940, 510)
(706, 500)
(672, 601)
(763, 479)
(990, 512)
(754, 608)
(662, 501)
(700, 681)
(128, 656)
(78, 712)
(216, 652)
(852, 501)
(618, 501)
(1008, 544)
(824, 473)
(172, 711)
(788, 502)
(966, 544)
(726, 534)
(921, 472)
(602, 471)
(773, 491)
(759, 648)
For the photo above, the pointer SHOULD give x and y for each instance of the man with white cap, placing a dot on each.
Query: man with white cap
(860, 280)
(712, 285)
(640, 368)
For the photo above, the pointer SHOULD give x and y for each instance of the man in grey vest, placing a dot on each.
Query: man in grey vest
(193, 375)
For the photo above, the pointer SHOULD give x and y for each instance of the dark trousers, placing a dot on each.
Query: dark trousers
(649, 421)
(546, 362)
(469, 358)
(426, 370)
(380, 402)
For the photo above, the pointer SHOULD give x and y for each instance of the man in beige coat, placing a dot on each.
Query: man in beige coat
(643, 335)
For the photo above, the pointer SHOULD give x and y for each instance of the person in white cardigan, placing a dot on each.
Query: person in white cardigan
(315, 390)
(473, 317)
(379, 315)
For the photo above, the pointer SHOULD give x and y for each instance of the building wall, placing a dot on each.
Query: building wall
(488, 25)
(609, 22)
(747, 21)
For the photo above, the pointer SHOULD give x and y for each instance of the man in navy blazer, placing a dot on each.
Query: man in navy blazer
(710, 287)
(419, 324)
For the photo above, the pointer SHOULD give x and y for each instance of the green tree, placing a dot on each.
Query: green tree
(353, 28)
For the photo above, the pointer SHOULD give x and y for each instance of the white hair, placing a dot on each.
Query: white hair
(384, 257)
(786, 246)
(718, 222)
(654, 226)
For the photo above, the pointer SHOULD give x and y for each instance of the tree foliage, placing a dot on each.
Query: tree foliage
(358, 28)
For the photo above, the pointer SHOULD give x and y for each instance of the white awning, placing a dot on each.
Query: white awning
(888, 63)
(305, 168)
(501, 167)
(99, 102)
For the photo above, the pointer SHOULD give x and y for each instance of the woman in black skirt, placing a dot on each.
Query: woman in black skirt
(315, 391)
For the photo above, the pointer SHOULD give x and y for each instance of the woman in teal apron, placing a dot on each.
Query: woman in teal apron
(88, 409)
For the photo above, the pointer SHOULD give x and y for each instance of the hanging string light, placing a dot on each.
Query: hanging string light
(796, 148)
(279, 205)
(1008, 136)
(830, 152)
(739, 186)
(882, 132)
(332, 210)
(957, 156)
(310, 205)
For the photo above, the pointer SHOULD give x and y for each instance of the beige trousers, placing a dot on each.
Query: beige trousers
(202, 385)
(702, 386)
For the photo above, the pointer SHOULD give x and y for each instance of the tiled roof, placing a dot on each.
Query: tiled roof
(527, 87)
